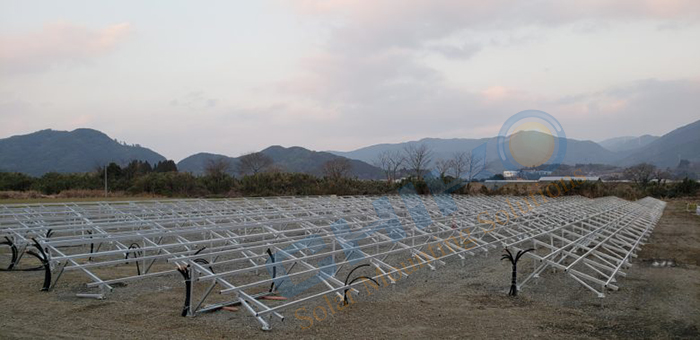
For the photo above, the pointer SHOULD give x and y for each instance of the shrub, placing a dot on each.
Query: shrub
(171, 184)
(53, 183)
(687, 187)
(14, 181)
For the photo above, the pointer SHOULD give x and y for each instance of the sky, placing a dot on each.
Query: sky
(231, 77)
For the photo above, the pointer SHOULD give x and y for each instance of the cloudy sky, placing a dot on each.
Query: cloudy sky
(235, 76)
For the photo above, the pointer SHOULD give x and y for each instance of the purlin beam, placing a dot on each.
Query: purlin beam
(590, 240)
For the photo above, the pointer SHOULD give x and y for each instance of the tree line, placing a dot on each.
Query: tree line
(418, 159)
(256, 174)
(184, 184)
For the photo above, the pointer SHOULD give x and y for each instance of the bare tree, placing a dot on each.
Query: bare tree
(390, 162)
(337, 168)
(253, 163)
(443, 166)
(459, 163)
(468, 165)
(396, 160)
(641, 173)
(217, 167)
(418, 158)
(662, 175)
(382, 162)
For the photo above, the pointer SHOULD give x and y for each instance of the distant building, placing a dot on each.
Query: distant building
(534, 174)
(508, 174)
(525, 174)
(495, 184)
(537, 172)
(568, 178)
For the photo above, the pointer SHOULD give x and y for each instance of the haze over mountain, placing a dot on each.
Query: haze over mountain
(669, 149)
(627, 143)
(80, 150)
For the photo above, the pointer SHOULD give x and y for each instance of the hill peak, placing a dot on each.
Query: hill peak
(80, 150)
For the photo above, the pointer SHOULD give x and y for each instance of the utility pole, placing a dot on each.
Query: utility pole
(105, 180)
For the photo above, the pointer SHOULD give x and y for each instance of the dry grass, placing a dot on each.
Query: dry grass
(21, 195)
(29, 197)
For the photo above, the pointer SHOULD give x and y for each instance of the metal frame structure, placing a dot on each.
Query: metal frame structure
(311, 247)
(593, 252)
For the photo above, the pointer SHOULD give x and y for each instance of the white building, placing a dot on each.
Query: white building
(510, 174)
(569, 178)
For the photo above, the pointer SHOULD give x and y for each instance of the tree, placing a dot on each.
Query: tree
(662, 175)
(114, 171)
(390, 162)
(217, 174)
(686, 187)
(468, 165)
(459, 164)
(337, 168)
(253, 163)
(217, 167)
(131, 170)
(145, 167)
(165, 166)
(443, 166)
(15, 181)
(382, 162)
(418, 158)
(641, 174)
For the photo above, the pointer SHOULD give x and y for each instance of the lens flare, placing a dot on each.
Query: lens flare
(531, 144)
(531, 138)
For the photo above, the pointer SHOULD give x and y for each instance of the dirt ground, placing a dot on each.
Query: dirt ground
(455, 301)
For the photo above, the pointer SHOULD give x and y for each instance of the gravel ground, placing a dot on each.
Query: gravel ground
(453, 302)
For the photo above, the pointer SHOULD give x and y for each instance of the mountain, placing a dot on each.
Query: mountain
(669, 149)
(298, 159)
(664, 151)
(292, 159)
(80, 150)
(83, 150)
(577, 151)
(442, 148)
(620, 144)
(195, 163)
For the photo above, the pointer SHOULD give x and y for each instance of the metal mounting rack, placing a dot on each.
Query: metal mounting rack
(312, 247)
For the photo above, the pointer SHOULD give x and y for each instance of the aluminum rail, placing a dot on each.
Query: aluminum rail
(245, 246)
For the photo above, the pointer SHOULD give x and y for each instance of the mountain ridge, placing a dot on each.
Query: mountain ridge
(80, 150)
(669, 149)
(292, 159)
(84, 149)
(663, 151)
(627, 143)
(578, 151)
